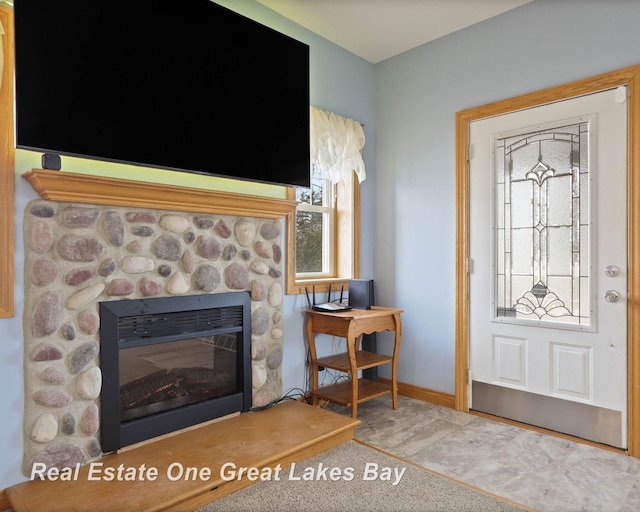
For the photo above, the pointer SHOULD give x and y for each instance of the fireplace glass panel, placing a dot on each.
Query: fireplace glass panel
(162, 376)
(169, 363)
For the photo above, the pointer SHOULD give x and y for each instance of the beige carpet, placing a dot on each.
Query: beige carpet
(364, 479)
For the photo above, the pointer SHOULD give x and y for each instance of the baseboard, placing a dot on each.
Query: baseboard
(5, 504)
(424, 394)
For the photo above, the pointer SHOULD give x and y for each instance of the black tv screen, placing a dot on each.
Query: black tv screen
(184, 85)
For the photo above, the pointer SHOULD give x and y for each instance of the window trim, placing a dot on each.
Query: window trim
(7, 169)
(347, 242)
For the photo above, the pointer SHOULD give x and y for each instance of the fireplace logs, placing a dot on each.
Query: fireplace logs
(164, 390)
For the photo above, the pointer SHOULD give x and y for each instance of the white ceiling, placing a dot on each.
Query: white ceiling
(378, 29)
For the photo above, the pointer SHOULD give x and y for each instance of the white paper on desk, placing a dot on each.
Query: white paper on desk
(331, 306)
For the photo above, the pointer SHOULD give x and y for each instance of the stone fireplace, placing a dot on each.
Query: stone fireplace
(81, 254)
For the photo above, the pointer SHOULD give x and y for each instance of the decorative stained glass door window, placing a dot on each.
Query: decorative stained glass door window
(542, 226)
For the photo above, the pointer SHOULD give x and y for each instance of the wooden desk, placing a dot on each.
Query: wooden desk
(351, 325)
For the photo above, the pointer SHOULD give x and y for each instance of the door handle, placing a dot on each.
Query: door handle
(611, 271)
(611, 296)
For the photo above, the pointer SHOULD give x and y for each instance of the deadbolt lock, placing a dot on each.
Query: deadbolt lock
(611, 296)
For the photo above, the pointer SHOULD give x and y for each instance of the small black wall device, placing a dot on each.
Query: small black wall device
(51, 161)
(361, 293)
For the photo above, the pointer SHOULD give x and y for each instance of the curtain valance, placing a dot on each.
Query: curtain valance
(336, 146)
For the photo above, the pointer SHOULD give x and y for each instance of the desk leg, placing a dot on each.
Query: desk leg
(311, 337)
(353, 342)
(394, 365)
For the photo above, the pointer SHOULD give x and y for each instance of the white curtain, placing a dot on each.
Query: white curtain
(336, 146)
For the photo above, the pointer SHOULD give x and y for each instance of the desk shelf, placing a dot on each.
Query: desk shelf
(342, 393)
(364, 360)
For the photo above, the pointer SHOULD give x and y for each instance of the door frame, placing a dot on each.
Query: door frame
(630, 77)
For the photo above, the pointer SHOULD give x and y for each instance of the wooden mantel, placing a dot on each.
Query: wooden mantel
(84, 188)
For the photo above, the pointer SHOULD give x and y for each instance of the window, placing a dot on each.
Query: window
(542, 226)
(323, 235)
(323, 240)
(315, 230)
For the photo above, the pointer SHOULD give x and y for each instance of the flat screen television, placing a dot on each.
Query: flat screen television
(184, 85)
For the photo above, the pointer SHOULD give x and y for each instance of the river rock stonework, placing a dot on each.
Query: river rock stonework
(77, 256)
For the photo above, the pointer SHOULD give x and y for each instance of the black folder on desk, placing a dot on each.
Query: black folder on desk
(361, 297)
(361, 293)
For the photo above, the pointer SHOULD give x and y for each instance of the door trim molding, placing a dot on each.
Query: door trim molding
(627, 76)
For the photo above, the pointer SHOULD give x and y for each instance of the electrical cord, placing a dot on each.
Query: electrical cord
(291, 394)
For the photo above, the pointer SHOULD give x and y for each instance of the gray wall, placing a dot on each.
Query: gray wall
(541, 44)
(408, 242)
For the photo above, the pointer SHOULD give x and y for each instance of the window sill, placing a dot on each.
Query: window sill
(320, 284)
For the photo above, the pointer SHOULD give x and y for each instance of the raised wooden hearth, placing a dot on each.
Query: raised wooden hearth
(294, 432)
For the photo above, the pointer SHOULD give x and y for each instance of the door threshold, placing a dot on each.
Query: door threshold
(548, 432)
(582, 420)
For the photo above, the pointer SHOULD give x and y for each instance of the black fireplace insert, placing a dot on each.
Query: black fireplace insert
(172, 362)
